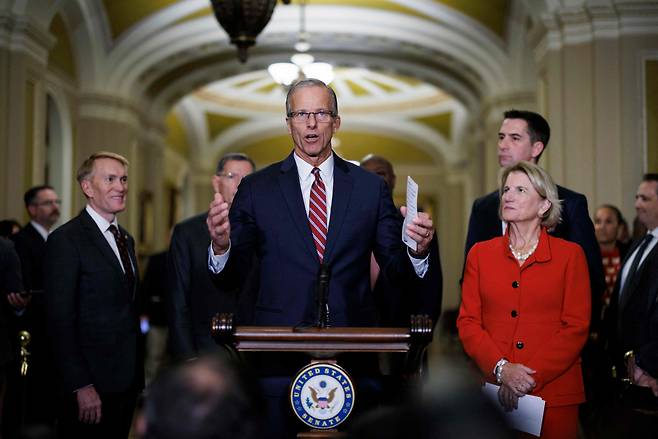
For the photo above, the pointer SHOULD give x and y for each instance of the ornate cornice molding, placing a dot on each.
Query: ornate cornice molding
(19, 34)
(110, 108)
(572, 25)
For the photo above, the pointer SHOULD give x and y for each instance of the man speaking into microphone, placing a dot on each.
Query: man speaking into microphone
(314, 208)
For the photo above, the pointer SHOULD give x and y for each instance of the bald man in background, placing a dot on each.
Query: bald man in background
(397, 302)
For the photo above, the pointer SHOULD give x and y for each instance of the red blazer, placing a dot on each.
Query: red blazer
(536, 314)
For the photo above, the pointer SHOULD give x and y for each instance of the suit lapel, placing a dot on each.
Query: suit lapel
(96, 237)
(640, 273)
(131, 248)
(292, 193)
(133, 259)
(35, 236)
(341, 196)
(630, 251)
(649, 263)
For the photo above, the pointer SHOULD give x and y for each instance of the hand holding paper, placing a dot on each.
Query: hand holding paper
(417, 230)
(527, 417)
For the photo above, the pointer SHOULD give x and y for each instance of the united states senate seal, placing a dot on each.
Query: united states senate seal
(322, 395)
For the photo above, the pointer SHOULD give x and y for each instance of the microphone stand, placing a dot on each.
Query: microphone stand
(322, 297)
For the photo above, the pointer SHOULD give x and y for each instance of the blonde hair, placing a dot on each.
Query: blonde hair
(87, 167)
(543, 184)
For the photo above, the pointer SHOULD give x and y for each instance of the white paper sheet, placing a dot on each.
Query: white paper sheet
(527, 418)
(412, 212)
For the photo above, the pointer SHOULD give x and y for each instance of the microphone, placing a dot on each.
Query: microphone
(322, 296)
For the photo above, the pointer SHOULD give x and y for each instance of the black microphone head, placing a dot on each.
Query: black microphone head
(324, 271)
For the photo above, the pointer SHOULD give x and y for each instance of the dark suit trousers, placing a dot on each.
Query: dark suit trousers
(117, 411)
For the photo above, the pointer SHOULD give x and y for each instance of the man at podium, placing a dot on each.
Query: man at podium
(313, 210)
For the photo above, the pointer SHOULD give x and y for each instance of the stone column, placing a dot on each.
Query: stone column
(24, 49)
(152, 196)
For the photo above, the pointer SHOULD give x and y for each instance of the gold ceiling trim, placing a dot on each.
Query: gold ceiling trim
(490, 13)
(62, 55)
(217, 123)
(176, 137)
(441, 123)
(124, 14)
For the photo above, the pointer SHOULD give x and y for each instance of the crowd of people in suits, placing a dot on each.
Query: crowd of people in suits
(553, 305)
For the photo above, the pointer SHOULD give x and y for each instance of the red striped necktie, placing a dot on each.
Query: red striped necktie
(317, 213)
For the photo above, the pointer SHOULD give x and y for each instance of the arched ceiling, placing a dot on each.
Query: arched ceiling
(122, 15)
(399, 117)
(409, 72)
(164, 49)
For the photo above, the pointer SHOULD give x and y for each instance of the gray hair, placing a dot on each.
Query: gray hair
(311, 82)
(233, 156)
(87, 167)
(543, 184)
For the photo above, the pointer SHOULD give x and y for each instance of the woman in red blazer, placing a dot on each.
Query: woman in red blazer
(525, 308)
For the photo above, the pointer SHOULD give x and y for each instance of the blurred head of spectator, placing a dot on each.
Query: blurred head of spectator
(607, 221)
(42, 205)
(451, 406)
(202, 399)
(9, 227)
(380, 166)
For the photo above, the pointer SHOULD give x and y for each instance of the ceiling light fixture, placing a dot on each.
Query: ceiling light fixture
(302, 64)
(243, 20)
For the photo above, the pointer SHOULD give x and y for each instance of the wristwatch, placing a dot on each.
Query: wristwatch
(498, 370)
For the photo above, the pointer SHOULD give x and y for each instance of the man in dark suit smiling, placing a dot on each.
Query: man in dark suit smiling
(90, 284)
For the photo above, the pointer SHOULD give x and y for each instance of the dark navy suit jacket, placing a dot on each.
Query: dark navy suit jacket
(268, 219)
(10, 282)
(633, 321)
(92, 311)
(191, 298)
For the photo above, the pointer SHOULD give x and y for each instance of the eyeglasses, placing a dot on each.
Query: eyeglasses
(49, 203)
(231, 175)
(321, 116)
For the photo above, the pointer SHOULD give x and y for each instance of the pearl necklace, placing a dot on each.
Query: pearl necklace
(521, 257)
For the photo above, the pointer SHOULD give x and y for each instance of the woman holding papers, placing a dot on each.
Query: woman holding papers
(525, 306)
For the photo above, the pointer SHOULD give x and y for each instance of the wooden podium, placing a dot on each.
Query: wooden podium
(323, 344)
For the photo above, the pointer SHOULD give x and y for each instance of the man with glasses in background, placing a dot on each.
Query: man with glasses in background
(42, 205)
